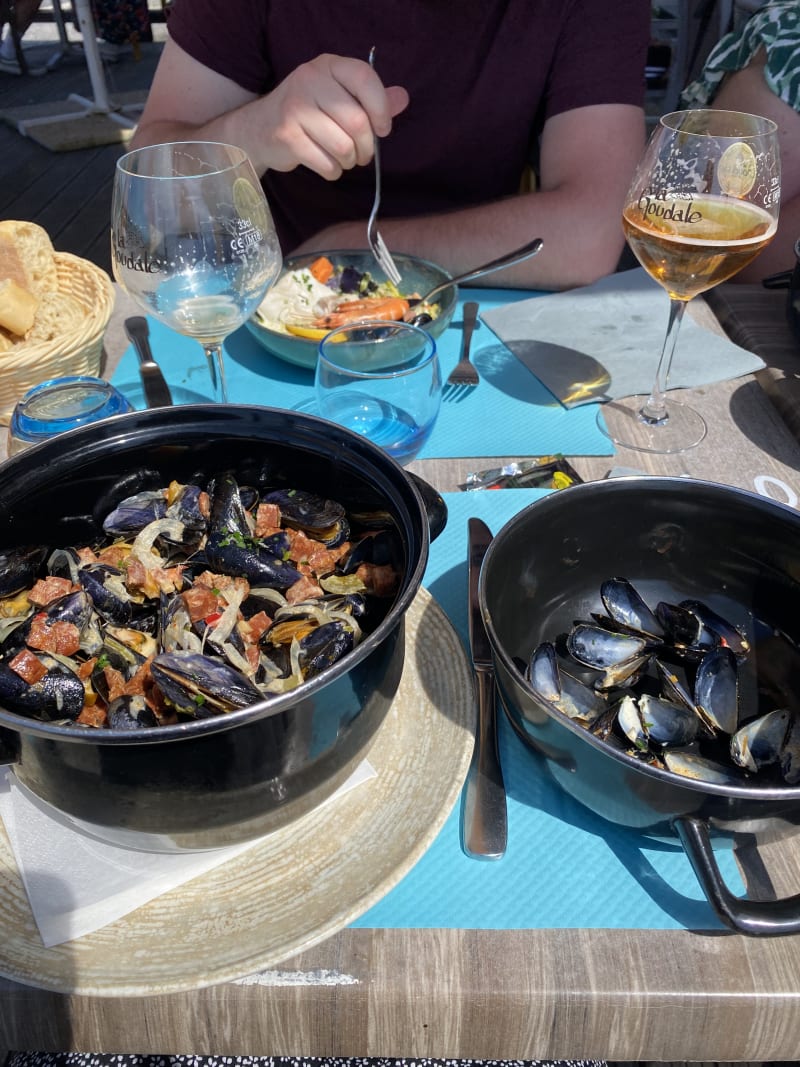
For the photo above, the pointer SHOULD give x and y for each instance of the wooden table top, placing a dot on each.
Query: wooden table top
(512, 994)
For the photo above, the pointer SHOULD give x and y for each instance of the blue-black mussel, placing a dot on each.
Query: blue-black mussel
(673, 684)
(193, 601)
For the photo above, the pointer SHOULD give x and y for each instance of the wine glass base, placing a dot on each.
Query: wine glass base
(682, 429)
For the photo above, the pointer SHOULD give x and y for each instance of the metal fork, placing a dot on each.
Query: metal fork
(376, 242)
(464, 375)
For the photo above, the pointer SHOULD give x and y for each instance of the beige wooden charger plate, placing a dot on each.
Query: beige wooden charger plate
(297, 886)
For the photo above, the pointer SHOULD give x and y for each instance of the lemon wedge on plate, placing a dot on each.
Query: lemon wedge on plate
(313, 333)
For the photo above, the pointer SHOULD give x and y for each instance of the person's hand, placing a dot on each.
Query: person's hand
(323, 116)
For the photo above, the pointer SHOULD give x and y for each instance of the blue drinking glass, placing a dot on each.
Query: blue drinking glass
(381, 380)
(62, 404)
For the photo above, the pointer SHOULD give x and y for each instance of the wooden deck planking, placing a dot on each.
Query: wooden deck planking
(69, 193)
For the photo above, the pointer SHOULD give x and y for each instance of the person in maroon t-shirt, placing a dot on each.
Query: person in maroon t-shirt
(464, 95)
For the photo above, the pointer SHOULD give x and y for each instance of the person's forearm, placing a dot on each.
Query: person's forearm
(230, 128)
(581, 242)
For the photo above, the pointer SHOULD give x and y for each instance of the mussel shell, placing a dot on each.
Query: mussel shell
(228, 516)
(597, 647)
(190, 507)
(19, 568)
(759, 743)
(623, 675)
(630, 721)
(306, 510)
(729, 634)
(200, 686)
(625, 605)
(380, 548)
(666, 724)
(542, 673)
(323, 646)
(324, 520)
(130, 713)
(691, 764)
(673, 686)
(75, 608)
(105, 586)
(716, 689)
(259, 566)
(685, 631)
(553, 686)
(64, 563)
(230, 548)
(57, 696)
(135, 512)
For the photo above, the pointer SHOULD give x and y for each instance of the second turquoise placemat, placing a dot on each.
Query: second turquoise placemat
(509, 414)
(565, 867)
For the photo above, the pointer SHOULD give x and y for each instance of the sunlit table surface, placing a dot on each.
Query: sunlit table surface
(618, 994)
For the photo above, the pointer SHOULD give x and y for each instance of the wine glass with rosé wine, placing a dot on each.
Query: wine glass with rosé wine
(193, 240)
(702, 204)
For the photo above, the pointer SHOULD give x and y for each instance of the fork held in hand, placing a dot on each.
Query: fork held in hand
(376, 242)
(464, 373)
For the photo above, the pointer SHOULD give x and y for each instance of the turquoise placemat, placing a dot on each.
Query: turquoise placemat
(509, 414)
(564, 866)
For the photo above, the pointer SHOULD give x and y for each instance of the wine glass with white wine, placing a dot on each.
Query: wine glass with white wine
(193, 240)
(702, 204)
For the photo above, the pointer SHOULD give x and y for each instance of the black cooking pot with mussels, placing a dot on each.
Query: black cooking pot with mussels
(673, 539)
(230, 777)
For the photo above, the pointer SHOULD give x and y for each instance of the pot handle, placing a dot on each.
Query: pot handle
(756, 918)
(435, 506)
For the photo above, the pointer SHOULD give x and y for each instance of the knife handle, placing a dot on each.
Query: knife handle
(485, 820)
(139, 334)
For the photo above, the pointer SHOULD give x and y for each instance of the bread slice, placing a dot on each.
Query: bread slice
(27, 256)
(57, 314)
(17, 307)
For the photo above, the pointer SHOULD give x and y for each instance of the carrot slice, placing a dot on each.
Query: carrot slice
(322, 269)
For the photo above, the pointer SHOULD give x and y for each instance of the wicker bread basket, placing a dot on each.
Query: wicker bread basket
(77, 351)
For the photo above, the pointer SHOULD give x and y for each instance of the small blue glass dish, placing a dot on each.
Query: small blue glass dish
(62, 404)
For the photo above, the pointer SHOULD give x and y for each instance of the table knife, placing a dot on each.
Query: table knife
(483, 814)
(156, 390)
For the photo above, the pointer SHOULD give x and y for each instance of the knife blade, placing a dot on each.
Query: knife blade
(156, 390)
(484, 819)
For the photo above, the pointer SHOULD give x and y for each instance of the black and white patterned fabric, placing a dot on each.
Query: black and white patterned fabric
(92, 1059)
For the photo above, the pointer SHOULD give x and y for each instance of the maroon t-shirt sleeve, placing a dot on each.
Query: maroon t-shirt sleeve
(601, 56)
(228, 38)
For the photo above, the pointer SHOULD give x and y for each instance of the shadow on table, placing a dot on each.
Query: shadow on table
(741, 407)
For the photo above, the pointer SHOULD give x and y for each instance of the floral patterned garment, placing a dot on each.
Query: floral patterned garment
(776, 28)
(89, 1059)
(122, 21)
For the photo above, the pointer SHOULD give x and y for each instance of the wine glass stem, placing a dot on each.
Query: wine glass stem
(655, 408)
(216, 368)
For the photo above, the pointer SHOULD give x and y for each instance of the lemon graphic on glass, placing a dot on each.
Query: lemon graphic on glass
(736, 170)
(250, 204)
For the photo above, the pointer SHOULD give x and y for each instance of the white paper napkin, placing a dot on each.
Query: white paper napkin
(96, 882)
(602, 341)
